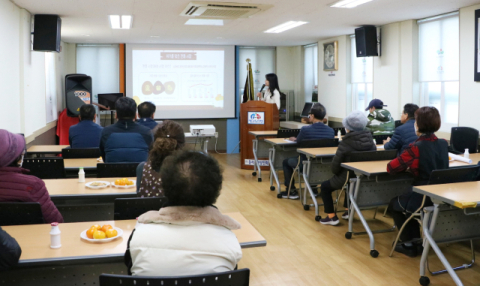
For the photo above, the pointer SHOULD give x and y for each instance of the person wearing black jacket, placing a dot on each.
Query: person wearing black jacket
(356, 139)
(10, 251)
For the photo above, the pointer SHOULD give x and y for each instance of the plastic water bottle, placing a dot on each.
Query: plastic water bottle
(55, 241)
(339, 135)
(81, 175)
(374, 142)
(466, 155)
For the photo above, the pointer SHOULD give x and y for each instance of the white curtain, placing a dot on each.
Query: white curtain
(310, 72)
(263, 62)
(50, 88)
(362, 68)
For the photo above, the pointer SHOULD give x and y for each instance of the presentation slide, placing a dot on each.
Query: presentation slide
(184, 82)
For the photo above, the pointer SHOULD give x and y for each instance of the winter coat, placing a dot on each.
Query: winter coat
(402, 137)
(381, 122)
(17, 186)
(184, 240)
(315, 131)
(351, 142)
(9, 251)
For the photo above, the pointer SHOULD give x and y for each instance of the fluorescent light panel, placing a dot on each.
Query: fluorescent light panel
(120, 22)
(204, 22)
(285, 26)
(349, 3)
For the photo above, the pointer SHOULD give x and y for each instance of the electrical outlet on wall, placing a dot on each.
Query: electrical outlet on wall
(216, 134)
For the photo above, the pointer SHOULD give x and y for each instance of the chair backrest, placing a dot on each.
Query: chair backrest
(318, 143)
(131, 208)
(45, 168)
(342, 130)
(20, 213)
(398, 123)
(454, 175)
(372, 156)
(379, 138)
(74, 153)
(462, 138)
(231, 278)
(112, 170)
(287, 133)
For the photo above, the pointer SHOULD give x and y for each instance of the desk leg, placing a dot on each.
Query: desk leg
(306, 175)
(256, 165)
(273, 173)
(428, 230)
(205, 145)
(353, 187)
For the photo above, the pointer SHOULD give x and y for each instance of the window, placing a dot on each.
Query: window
(263, 62)
(310, 72)
(50, 87)
(362, 79)
(439, 66)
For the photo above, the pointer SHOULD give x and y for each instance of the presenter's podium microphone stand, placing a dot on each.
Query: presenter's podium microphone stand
(255, 115)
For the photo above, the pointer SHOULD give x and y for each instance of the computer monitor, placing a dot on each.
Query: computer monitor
(109, 99)
(306, 109)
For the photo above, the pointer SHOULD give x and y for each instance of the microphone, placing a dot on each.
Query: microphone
(263, 86)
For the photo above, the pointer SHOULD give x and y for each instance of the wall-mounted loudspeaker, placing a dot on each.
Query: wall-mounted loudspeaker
(366, 41)
(78, 91)
(47, 33)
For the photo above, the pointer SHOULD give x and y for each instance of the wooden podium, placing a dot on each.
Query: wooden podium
(255, 115)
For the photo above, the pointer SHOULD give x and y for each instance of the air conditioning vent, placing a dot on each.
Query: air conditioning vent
(212, 10)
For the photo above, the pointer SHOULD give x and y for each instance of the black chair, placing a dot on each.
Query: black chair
(320, 143)
(287, 133)
(20, 213)
(75, 153)
(454, 175)
(231, 278)
(398, 123)
(464, 138)
(45, 168)
(379, 138)
(342, 130)
(372, 156)
(112, 170)
(131, 208)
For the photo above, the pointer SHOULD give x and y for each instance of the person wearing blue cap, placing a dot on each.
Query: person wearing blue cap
(380, 121)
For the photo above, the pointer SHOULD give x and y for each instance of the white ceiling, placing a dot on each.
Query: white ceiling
(161, 18)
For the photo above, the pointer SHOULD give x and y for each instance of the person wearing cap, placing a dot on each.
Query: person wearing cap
(356, 139)
(405, 134)
(380, 121)
(317, 130)
(15, 184)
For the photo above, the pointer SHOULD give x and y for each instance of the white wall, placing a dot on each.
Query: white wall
(289, 66)
(22, 76)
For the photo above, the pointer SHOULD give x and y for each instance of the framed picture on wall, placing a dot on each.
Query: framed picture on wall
(477, 46)
(330, 56)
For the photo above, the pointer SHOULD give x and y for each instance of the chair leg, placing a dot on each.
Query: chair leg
(385, 212)
(375, 214)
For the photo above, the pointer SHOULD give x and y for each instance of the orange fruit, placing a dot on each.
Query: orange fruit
(105, 227)
(111, 232)
(117, 182)
(97, 226)
(129, 183)
(90, 232)
(121, 183)
(99, 235)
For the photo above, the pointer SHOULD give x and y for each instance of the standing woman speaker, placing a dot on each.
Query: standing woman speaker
(272, 94)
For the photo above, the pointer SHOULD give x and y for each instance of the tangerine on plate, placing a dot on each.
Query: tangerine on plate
(97, 226)
(90, 232)
(111, 232)
(99, 234)
(106, 227)
(129, 183)
(117, 182)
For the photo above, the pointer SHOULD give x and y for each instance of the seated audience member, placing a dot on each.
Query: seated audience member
(15, 184)
(403, 135)
(356, 139)
(426, 154)
(10, 251)
(380, 121)
(168, 137)
(85, 134)
(125, 141)
(317, 130)
(146, 113)
(188, 236)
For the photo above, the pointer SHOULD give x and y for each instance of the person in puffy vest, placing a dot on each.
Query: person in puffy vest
(380, 121)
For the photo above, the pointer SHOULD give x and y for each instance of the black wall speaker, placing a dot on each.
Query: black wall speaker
(366, 41)
(47, 33)
(78, 91)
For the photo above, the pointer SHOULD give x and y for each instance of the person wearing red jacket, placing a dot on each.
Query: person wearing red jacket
(15, 184)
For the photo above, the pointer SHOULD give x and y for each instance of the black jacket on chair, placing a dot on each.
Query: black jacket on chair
(351, 142)
(9, 251)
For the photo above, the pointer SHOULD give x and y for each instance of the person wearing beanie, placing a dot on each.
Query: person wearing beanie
(356, 139)
(316, 131)
(380, 121)
(15, 184)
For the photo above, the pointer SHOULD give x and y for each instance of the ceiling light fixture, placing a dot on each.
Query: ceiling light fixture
(121, 22)
(349, 3)
(285, 26)
(204, 22)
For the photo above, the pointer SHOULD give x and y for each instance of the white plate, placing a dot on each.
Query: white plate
(89, 185)
(83, 235)
(125, 187)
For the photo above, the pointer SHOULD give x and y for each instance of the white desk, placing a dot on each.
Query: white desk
(260, 149)
(281, 150)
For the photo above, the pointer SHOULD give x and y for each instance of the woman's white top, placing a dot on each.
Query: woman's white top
(274, 99)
